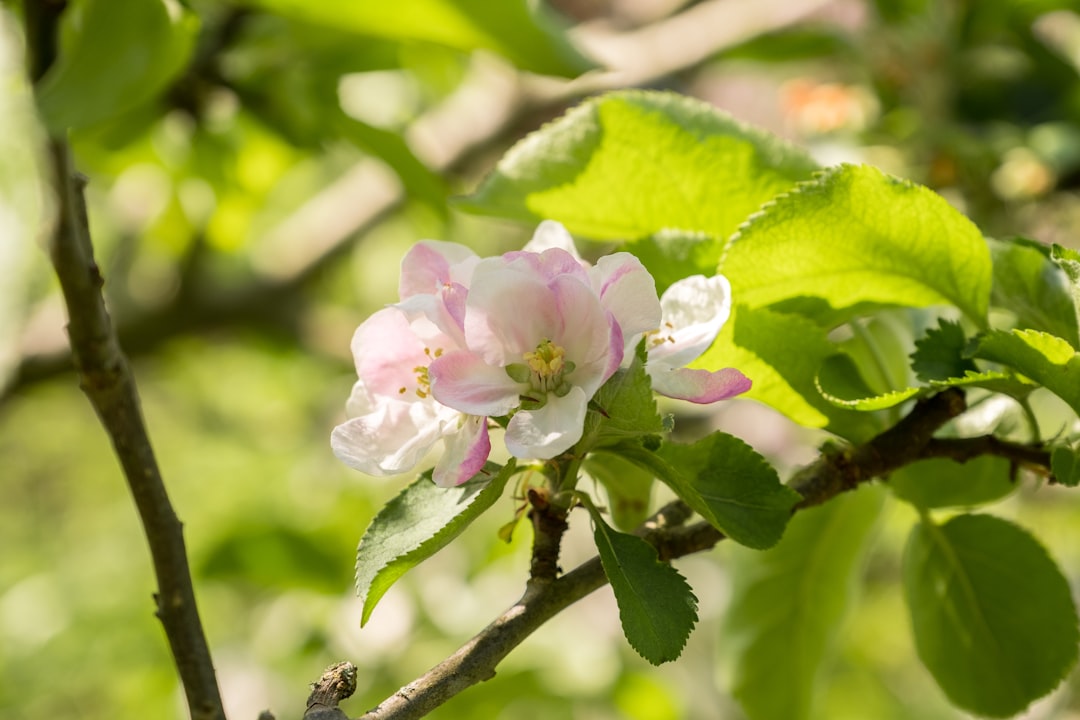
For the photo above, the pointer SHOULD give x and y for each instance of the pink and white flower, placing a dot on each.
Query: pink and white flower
(542, 334)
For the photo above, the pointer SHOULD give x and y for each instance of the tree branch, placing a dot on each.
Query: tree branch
(834, 472)
(108, 383)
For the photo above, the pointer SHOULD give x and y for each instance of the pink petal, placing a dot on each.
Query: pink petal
(386, 350)
(628, 291)
(510, 309)
(430, 264)
(698, 386)
(549, 431)
(463, 381)
(465, 452)
(550, 234)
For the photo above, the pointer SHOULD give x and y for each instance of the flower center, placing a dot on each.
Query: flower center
(656, 338)
(423, 380)
(544, 370)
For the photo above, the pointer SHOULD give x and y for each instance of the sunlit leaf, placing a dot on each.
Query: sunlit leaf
(657, 609)
(993, 617)
(631, 163)
(762, 344)
(855, 239)
(1046, 359)
(789, 602)
(416, 524)
(1028, 284)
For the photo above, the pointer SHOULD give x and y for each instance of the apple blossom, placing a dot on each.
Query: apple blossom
(542, 334)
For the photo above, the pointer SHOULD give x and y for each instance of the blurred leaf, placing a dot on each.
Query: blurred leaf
(657, 609)
(993, 617)
(113, 57)
(1027, 283)
(632, 163)
(391, 148)
(797, 43)
(670, 255)
(939, 355)
(937, 482)
(22, 210)
(271, 555)
(726, 482)
(416, 524)
(788, 605)
(759, 343)
(628, 488)
(1045, 358)
(854, 239)
(1065, 464)
(528, 38)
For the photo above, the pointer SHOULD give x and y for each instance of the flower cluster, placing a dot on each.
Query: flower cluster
(530, 336)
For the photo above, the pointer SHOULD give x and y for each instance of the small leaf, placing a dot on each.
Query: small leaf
(525, 36)
(624, 407)
(725, 481)
(855, 239)
(939, 355)
(937, 482)
(1045, 358)
(628, 488)
(1029, 285)
(788, 605)
(993, 617)
(1065, 464)
(631, 163)
(657, 609)
(113, 57)
(416, 524)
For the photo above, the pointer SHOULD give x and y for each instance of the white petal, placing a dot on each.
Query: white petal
(694, 310)
(550, 234)
(390, 440)
(549, 431)
(627, 291)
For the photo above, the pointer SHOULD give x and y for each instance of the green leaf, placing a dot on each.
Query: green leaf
(1068, 260)
(1028, 284)
(632, 163)
(1045, 358)
(855, 239)
(671, 255)
(939, 355)
(993, 617)
(841, 383)
(788, 605)
(525, 36)
(1065, 464)
(657, 609)
(628, 488)
(759, 342)
(624, 407)
(937, 482)
(416, 524)
(729, 484)
(113, 57)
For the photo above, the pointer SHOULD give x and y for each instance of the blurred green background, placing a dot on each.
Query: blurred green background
(250, 209)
